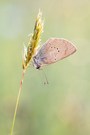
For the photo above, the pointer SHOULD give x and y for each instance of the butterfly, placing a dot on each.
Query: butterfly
(53, 50)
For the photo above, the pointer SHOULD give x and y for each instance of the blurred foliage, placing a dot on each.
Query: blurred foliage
(63, 106)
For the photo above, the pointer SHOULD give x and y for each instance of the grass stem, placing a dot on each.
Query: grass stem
(17, 103)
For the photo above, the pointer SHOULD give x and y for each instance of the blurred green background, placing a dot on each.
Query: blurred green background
(63, 106)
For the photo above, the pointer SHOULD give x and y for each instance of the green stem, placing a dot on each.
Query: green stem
(17, 103)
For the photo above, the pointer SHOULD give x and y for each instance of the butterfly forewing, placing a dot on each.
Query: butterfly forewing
(54, 50)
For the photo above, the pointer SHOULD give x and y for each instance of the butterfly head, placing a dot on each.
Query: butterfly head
(36, 62)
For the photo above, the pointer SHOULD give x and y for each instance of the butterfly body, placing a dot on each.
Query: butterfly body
(52, 51)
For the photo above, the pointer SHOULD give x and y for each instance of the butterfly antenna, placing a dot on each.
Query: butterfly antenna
(46, 80)
(17, 103)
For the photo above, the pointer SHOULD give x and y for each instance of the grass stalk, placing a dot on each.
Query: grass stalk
(17, 103)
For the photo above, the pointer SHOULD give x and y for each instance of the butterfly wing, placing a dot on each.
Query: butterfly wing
(54, 50)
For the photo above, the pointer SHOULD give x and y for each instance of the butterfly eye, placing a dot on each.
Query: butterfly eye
(34, 57)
